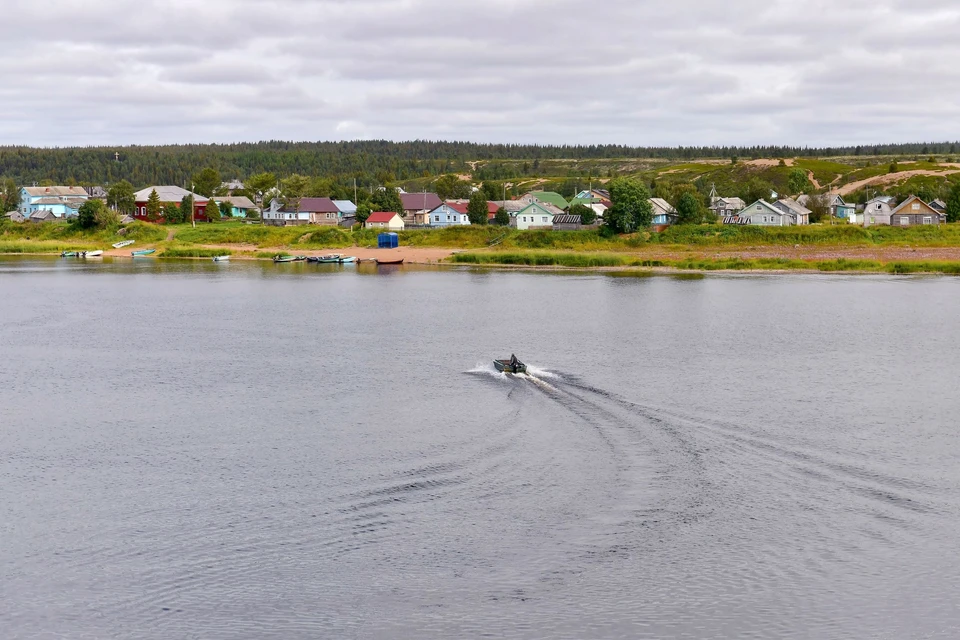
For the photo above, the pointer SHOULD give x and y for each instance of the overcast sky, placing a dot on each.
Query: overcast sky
(638, 72)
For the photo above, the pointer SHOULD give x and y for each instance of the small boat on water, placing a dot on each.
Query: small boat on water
(510, 365)
(396, 261)
(221, 258)
(142, 252)
(347, 259)
(123, 243)
(289, 258)
(91, 254)
(69, 254)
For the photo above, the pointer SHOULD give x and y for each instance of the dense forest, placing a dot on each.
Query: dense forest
(371, 161)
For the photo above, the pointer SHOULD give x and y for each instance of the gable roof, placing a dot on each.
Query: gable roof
(765, 206)
(459, 207)
(566, 218)
(924, 207)
(382, 216)
(346, 207)
(794, 206)
(42, 214)
(240, 202)
(551, 197)
(56, 191)
(313, 205)
(661, 206)
(543, 207)
(883, 199)
(938, 204)
(420, 201)
(168, 193)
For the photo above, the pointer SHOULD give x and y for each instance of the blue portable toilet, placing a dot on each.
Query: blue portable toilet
(388, 241)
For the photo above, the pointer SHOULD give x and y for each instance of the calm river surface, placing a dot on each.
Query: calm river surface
(191, 450)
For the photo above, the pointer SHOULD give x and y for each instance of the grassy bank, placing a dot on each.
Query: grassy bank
(193, 252)
(581, 260)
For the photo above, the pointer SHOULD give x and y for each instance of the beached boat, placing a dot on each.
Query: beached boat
(142, 252)
(69, 254)
(221, 258)
(347, 259)
(91, 254)
(284, 258)
(510, 365)
(123, 243)
(396, 261)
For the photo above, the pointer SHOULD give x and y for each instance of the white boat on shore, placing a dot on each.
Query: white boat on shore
(221, 258)
(91, 254)
(122, 244)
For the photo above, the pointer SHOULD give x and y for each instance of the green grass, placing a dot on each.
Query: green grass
(587, 260)
(825, 171)
(61, 231)
(43, 246)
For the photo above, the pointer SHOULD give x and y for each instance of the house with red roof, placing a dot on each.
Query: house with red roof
(385, 221)
(450, 213)
(417, 207)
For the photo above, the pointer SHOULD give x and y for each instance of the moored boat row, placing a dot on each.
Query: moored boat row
(81, 254)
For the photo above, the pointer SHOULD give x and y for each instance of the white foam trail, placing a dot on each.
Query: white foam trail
(540, 373)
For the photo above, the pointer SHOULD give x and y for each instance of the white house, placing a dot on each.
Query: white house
(449, 214)
(878, 211)
(534, 216)
(276, 216)
(384, 220)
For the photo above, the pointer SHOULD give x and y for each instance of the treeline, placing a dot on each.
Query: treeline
(369, 161)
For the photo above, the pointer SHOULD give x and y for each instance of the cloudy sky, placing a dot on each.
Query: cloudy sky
(639, 72)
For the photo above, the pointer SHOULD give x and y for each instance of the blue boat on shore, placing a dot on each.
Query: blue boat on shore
(142, 252)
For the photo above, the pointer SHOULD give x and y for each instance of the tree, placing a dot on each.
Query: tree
(893, 168)
(755, 189)
(631, 208)
(153, 206)
(477, 210)
(292, 189)
(106, 217)
(186, 208)
(260, 184)
(172, 213)
(10, 195)
(797, 181)
(87, 214)
(363, 212)
(689, 209)
(121, 197)
(387, 199)
(587, 215)
(213, 211)
(206, 181)
(953, 204)
(451, 187)
(502, 218)
(819, 207)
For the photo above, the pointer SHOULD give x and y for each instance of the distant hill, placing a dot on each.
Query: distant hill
(378, 161)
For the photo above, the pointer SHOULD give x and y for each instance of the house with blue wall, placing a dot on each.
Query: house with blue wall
(235, 206)
(663, 212)
(62, 202)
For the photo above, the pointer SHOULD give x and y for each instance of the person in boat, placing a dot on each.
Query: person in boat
(513, 360)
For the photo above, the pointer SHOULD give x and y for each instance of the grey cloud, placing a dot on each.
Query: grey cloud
(820, 72)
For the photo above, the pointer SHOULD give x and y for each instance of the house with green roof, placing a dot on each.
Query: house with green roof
(547, 197)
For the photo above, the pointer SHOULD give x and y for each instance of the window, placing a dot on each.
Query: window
(759, 208)
(904, 220)
(927, 220)
(916, 206)
(544, 218)
(436, 218)
(879, 206)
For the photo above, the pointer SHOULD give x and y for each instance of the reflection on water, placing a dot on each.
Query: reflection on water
(191, 449)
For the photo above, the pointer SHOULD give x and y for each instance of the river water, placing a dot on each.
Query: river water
(247, 450)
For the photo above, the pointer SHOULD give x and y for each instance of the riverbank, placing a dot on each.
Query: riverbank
(697, 248)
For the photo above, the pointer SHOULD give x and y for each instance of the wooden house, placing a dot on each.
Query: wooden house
(877, 211)
(914, 211)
